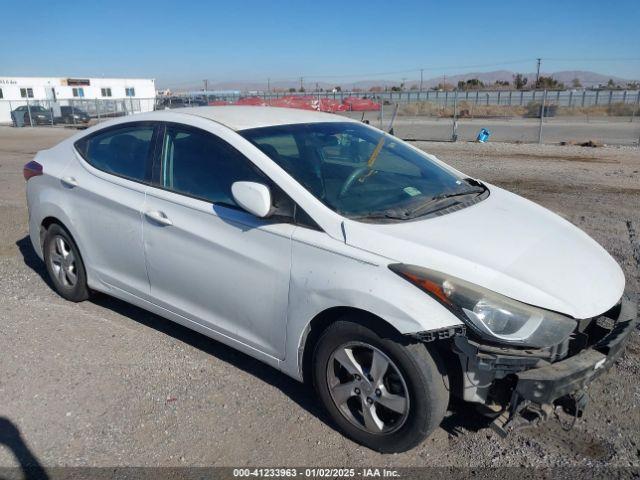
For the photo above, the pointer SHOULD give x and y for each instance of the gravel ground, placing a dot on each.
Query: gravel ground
(102, 383)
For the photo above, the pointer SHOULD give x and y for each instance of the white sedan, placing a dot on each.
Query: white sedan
(336, 253)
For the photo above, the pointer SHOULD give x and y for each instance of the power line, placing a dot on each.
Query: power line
(630, 59)
(421, 70)
(416, 70)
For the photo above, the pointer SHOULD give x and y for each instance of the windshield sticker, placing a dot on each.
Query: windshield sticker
(412, 191)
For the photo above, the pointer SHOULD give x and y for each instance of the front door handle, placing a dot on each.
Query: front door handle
(69, 181)
(158, 217)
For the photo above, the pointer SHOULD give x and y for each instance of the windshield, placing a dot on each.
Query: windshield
(361, 172)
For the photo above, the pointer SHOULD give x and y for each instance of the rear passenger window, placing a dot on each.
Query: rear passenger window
(122, 151)
(201, 165)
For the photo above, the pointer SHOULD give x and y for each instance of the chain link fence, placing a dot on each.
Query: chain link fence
(518, 117)
(71, 112)
(571, 116)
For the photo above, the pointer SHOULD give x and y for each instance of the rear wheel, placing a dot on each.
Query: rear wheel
(384, 393)
(64, 264)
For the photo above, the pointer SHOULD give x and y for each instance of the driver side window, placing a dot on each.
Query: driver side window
(199, 164)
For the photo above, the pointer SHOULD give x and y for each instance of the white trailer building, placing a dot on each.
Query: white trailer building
(121, 95)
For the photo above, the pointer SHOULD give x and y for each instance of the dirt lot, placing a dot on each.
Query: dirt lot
(103, 384)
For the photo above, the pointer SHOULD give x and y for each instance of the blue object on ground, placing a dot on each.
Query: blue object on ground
(483, 135)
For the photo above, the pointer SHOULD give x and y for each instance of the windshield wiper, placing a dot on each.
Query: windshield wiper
(439, 202)
(433, 204)
(408, 214)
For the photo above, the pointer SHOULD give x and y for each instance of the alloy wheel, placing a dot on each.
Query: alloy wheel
(63, 262)
(367, 388)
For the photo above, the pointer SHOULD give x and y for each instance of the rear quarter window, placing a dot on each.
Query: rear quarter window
(124, 151)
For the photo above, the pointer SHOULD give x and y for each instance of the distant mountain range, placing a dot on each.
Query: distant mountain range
(586, 78)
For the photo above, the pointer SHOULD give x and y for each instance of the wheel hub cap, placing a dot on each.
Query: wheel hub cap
(63, 262)
(368, 388)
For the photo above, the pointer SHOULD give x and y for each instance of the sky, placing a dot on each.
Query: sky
(183, 42)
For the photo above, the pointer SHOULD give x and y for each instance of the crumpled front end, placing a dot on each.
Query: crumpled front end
(523, 385)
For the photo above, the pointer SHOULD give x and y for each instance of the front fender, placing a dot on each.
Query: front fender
(326, 274)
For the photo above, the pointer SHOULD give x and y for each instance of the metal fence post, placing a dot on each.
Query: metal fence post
(454, 127)
(635, 110)
(29, 110)
(50, 111)
(584, 95)
(544, 97)
(597, 96)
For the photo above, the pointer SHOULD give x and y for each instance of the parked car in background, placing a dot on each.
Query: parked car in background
(174, 102)
(338, 254)
(32, 115)
(72, 115)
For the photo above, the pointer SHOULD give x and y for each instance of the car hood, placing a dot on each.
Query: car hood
(509, 245)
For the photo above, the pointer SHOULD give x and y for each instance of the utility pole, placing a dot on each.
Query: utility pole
(421, 72)
(301, 79)
(269, 85)
(538, 73)
(205, 86)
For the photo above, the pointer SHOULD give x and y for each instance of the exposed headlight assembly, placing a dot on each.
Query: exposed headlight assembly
(491, 315)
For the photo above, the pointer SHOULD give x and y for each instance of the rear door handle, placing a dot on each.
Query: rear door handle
(158, 217)
(69, 181)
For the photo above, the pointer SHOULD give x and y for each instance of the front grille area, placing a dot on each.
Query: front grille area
(591, 330)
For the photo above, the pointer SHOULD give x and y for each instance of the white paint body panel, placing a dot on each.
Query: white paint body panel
(220, 267)
(509, 245)
(255, 284)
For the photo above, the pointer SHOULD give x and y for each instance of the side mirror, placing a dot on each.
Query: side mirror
(254, 197)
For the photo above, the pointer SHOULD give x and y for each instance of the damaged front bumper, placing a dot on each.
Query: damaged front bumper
(525, 386)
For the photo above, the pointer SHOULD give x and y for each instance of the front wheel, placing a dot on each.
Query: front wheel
(384, 393)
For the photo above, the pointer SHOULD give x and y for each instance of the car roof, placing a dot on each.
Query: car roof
(243, 117)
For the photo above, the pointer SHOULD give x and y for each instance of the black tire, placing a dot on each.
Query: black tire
(76, 291)
(423, 375)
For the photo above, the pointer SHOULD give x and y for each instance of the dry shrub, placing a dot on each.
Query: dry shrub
(468, 109)
(617, 109)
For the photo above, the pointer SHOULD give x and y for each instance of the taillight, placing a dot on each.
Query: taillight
(31, 169)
